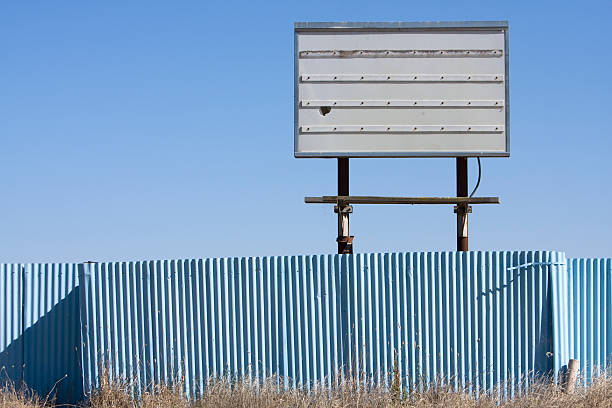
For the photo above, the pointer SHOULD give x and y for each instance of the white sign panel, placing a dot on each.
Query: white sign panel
(401, 89)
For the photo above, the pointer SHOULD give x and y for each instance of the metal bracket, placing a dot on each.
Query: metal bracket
(466, 209)
(346, 244)
(344, 209)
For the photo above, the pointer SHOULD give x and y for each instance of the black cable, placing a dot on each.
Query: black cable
(479, 174)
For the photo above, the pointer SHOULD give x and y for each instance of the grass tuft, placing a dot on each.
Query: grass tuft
(12, 397)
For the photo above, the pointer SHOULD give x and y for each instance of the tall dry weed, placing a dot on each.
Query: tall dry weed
(12, 397)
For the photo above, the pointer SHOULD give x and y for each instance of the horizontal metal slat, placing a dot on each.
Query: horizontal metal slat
(404, 129)
(399, 53)
(405, 103)
(402, 78)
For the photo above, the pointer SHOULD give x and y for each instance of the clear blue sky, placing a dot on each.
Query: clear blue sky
(148, 130)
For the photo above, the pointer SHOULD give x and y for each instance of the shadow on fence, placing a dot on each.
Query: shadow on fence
(46, 356)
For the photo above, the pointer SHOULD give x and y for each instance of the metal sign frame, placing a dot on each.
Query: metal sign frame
(361, 26)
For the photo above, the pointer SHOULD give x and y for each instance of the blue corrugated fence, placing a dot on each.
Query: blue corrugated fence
(40, 326)
(11, 324)
(475, 318)
(201, 318)
(589, 311)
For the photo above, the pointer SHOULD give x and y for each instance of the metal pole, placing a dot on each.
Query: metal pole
(462, 210)
(345, 242)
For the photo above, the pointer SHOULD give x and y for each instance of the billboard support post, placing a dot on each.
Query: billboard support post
(462, 209)
(345, 241)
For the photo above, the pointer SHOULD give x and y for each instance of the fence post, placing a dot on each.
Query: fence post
(570, 378)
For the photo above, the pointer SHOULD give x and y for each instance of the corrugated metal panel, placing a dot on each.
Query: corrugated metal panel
(196, 318)
(51, 335)
(560, 313)
(589, 305)
(478, 317)
(11, 328)
(40, 328)
(475, 318)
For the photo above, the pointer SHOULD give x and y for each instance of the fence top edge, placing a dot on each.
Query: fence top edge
(299, 257)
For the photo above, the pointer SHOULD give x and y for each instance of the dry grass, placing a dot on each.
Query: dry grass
(119, 393)
(225, 393)
(12, 397)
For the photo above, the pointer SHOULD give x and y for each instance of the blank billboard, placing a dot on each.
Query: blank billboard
(401, 89)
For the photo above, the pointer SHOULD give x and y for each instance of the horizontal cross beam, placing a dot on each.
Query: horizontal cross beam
(400, 200)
